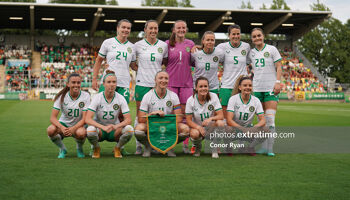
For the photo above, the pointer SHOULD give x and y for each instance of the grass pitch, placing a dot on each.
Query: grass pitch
(29, 168)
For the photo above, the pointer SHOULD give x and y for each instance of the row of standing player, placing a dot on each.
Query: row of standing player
(203, 110)
(176, 55)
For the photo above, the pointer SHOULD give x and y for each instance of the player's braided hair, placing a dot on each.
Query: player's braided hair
(240, 79)
(172, 41)
(207, 98)
(64, 91)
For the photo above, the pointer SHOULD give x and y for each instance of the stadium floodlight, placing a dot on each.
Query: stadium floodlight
(287, 24)
(110, 20)
(47, 19)
(16, 18)
(140, 21)
(228, 23)
(199, 22)
(169, 22)
(256, 24)
(79, 20)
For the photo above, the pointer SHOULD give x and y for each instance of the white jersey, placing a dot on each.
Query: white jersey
(150, 58)
(108, 113)
(244, 113)
(118, 56)
(200, 112)
(152, 102)
(263, 63)
(207, 65)
(72, 110)
(235, 63)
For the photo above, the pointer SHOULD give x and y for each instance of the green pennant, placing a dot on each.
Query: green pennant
(162, 132)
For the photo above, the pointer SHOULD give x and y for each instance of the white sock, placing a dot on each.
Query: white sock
(126, 136)
(92, 136)
(57, 140)
(138, 144)
(80, 143)
(141, 136)
(270, 123)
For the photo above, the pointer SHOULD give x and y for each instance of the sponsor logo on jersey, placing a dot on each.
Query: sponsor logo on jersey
(195, 108)
(144, 48)
(236, 107)
(65, 104)
(251, 108)
(244, 52)
(115, 106)
(162, 129)
(210, 107)
(215, 59)
(114, 47)
(160, 50)
(266, 54)
(81, 104)
(188, 49)
(199, 58)
(101, 106)
(129, 49)
(228, 52)
(253, 55)
(169, 103)
(152, 103)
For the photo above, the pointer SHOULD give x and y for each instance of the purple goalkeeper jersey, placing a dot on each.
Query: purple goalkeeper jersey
(179, 64)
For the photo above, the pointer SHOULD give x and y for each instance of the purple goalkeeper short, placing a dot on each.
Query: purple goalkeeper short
(183, 93)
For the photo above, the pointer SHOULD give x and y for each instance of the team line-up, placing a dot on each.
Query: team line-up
(201, 99)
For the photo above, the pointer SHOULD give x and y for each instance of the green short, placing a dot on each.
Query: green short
(65, 125)
(225, 95)
(121, 90)
(107, 136)
(216, 91)
(140, 91)
(266, 96)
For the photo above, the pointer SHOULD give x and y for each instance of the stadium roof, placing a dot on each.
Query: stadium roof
(102, 17)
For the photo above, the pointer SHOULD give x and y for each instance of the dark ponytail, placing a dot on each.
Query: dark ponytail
(64, 91)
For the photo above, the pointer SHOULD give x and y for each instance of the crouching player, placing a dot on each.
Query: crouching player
(72, 102)
(106, 107)
(159, 101)
(202, 109)
(241, 108)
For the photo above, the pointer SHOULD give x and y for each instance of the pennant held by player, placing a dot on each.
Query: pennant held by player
(162, 132)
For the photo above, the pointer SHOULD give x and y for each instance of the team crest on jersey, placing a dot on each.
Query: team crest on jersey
(162, 129)
(244, 52)
(210, 107)
(129, 49)
(188, 49)
(266, 54)
(115, 106)
(81, 104)
(215, 59)
(160, 50)
(169, 103)
(251, 108)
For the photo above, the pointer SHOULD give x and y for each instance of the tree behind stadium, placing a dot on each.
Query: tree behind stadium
(327, 46)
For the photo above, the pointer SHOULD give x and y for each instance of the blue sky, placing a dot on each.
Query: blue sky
(339, 8)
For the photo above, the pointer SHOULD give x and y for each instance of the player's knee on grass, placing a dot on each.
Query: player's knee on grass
(80, 133)
(194, 134)
(183, 128)
(51, 130)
